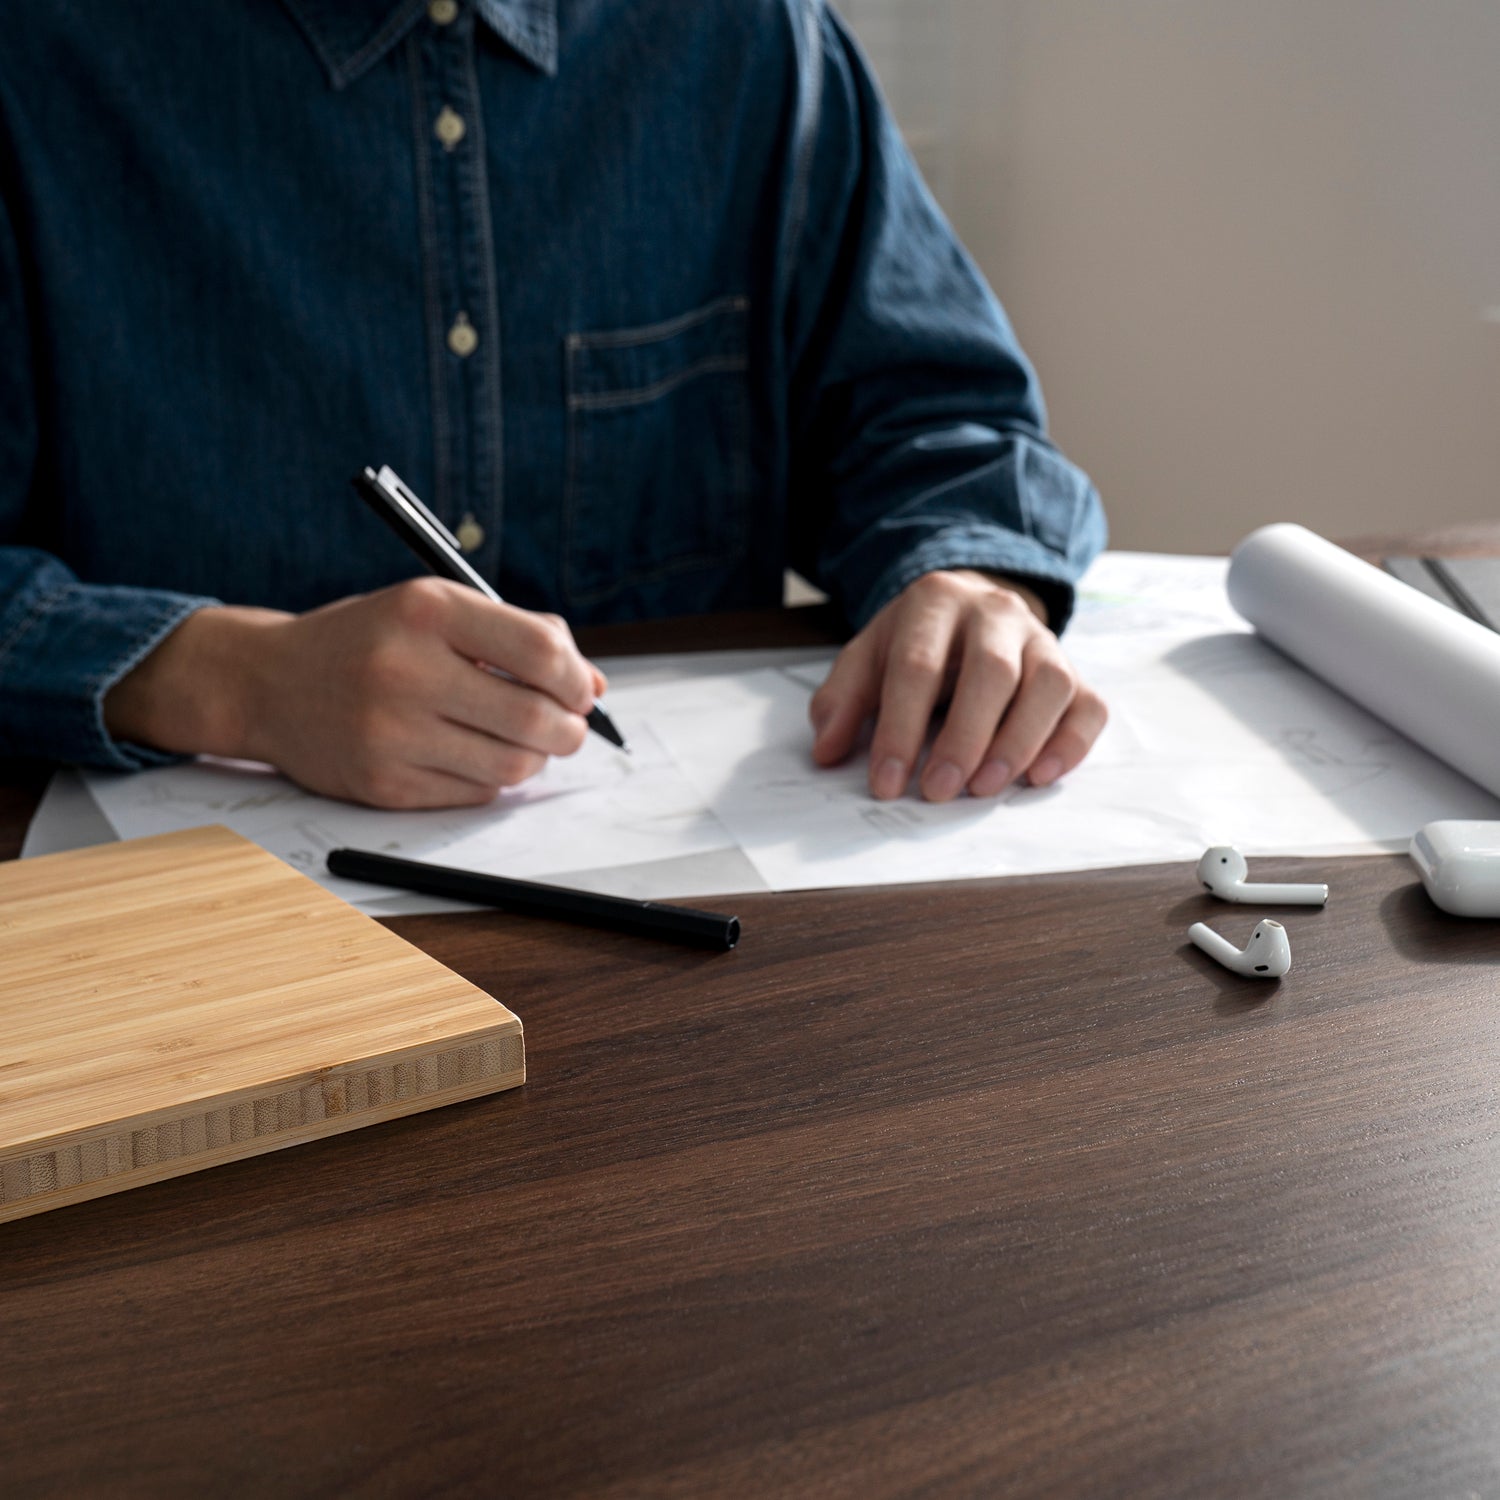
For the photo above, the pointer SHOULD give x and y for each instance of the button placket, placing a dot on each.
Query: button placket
(461, 275)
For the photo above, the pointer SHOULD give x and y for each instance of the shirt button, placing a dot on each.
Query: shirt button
(442, 12)
(470, 533)
(463, 340)
(449, 128)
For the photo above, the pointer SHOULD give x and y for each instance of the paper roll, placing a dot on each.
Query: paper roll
(1429, 671)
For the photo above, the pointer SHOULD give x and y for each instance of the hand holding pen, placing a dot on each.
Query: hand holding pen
(416, 526)
(375, 698)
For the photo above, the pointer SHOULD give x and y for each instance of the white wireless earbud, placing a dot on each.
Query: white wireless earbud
(1268, 954)
(1223, 871)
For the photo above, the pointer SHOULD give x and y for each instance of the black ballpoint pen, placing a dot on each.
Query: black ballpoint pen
(675, 924)
(388, 495)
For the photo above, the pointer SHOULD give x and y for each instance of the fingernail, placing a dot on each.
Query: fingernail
(993, 776)
(942, 782)
(818, 718)
(889, 779)
(1044, 771)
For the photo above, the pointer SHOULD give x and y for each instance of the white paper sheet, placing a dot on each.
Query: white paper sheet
(1214, 737)
(599, 807)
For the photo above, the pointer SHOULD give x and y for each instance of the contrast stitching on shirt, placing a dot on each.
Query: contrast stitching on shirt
(134, 652)
(315, 42)
(647, 333)
(431, 292)
(40, 606)
(638, 395)
(732, 522)
(399, 20)
(492, 419)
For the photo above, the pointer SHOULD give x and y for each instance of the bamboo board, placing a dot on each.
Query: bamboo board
(174, 1002)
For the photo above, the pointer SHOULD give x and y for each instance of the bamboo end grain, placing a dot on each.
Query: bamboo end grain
(179, 1001)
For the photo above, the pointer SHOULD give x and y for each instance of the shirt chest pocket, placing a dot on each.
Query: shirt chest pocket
(658, 470)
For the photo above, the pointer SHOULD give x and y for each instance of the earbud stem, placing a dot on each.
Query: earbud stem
(1216, 945)
(1256, 893)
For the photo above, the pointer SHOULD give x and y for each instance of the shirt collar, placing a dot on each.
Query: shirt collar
(351, 36)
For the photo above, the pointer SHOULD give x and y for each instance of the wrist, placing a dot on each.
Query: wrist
(199, 691)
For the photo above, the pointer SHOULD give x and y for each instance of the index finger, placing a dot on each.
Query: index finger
(535, 649)
(915, 670)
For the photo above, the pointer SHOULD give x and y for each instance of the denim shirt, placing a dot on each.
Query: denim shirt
(645, 298)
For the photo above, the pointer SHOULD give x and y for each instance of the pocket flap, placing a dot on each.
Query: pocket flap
(629, 366)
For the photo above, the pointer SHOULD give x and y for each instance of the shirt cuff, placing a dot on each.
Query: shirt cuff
(60, 660)
(1050, 577)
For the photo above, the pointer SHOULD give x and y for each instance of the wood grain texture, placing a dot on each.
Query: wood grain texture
(988, 1189)
(176, 1002)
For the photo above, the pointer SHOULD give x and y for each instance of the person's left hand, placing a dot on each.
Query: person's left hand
(1015, 704)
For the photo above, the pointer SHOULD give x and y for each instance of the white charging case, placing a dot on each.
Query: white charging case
(1459, 863)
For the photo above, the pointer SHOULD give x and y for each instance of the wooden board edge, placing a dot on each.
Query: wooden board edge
(255, 1146)
(126, 1154)
(327, 1075)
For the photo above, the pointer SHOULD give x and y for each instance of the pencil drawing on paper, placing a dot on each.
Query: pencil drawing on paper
(1214, 737)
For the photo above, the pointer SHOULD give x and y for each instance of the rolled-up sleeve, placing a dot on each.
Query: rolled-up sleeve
(918, 430)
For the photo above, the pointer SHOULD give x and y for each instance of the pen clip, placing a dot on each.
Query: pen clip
(395, 486)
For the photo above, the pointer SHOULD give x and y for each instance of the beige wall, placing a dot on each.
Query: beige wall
(1251, 245)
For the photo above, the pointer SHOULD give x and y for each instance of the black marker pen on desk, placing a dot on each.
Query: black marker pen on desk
(394, 502)
(675, 924)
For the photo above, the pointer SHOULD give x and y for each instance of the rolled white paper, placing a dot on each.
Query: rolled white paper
(1429, 671)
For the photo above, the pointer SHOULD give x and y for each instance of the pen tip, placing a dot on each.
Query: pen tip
(601, 723)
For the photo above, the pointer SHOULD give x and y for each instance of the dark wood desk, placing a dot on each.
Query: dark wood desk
(992, 1188)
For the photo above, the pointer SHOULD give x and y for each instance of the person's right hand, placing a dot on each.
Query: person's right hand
(380, 698)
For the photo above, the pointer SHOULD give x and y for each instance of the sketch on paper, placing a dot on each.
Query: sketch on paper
(1213, 737)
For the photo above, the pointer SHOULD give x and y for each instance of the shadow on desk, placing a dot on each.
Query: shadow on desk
(1426, 934)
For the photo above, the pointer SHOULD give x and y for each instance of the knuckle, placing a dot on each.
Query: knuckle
(936, 585)
(513, 765)
(1093, 704)
(549, 654)
(1070, 744)
(1054, 676)
(420, 603)
(918, 659)
(1006, 673)
(575, 732)
(530, 720)
(1009, 602)
(383, 785)
(559, 627)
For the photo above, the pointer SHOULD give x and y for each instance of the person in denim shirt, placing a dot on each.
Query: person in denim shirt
(645, 298)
